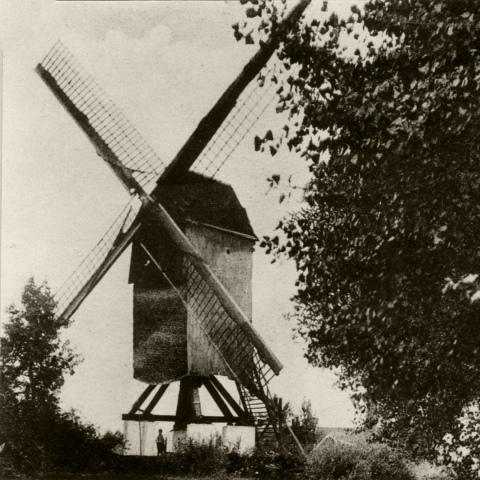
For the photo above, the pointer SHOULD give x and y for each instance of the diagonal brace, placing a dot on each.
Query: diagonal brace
(136, 406)
(219, 400)
(231, 401)
(156, 398)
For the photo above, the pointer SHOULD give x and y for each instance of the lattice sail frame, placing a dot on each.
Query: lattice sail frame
(123, 225)
(110, 123)
(102, 115)
(232, 343)
(254, 100)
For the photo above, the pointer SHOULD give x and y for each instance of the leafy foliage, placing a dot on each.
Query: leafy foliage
(209, 457)
(38, 435)
(265, 15)
(356, 462)
(267, 463)
(387, 247)
(461, 449)
(304, 425)
(34, 359)
(202, 458)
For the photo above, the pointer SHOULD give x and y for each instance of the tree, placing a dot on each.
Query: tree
(387, 247)
(34, 359)
(304, 425)
(34, 362)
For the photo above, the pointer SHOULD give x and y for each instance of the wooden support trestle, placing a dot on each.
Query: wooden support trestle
(241, 412)
(156, 399)
(136, 406)
(188, 406)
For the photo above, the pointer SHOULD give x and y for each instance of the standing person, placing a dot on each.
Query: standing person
(161, 444)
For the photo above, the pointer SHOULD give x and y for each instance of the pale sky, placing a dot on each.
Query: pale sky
(164, 64)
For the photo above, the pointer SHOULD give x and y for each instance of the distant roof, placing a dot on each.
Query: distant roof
(206, 201)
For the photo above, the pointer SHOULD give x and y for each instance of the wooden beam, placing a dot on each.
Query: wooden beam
(218, 400)
(189, 408)
(265, 428)
(231, 401)
(296, 440)
(156, 398)
(83, 122)
(142, 398)
(242, 398)
(140, 417)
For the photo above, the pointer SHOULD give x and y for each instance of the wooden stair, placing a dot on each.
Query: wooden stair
(257, 410)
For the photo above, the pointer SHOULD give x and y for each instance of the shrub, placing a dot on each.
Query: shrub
(339, 461)
(460, 450)
(58, 442)
(202, 457)
(77, 447)
(262, 462)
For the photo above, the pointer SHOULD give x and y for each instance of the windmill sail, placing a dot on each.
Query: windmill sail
(251, 104)
(96, 264)
(103, 123)
(234, 113)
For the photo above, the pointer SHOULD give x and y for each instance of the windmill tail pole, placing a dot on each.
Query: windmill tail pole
(213, 120)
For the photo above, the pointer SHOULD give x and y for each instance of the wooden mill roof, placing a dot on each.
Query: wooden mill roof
(204, 200)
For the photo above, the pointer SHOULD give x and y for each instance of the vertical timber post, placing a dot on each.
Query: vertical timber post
(189, 409)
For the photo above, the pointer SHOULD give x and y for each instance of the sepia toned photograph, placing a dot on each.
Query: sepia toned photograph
(240, 239)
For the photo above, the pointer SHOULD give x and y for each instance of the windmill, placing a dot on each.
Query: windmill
(192, 249)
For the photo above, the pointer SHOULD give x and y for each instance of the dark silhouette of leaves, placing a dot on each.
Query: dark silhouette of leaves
(395, 211)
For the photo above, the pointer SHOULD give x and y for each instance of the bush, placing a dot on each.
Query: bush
(198, 458)
(356, 462)
(202, 458)
(460, 450)
(77, 447)
(266, 463)
(58, 442)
